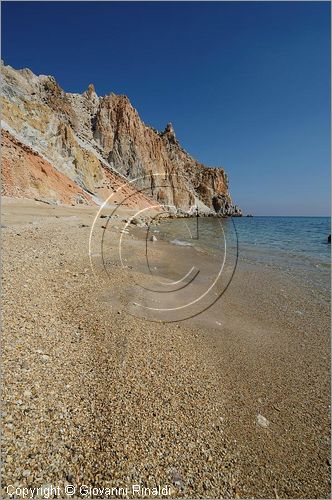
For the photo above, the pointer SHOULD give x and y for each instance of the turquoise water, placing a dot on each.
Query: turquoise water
(293, 245)
(296, 245)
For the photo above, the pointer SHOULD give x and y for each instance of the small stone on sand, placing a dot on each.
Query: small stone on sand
(262, 421)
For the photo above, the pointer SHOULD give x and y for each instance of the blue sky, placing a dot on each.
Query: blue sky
(246, 84)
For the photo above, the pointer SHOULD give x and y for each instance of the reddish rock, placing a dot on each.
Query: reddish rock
(97, 141)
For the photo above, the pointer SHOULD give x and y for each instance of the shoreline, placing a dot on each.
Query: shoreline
(157, 403)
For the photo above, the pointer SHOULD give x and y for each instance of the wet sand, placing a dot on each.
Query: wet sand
(118, 400)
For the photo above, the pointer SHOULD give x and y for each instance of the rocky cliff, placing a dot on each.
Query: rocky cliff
(98, 143)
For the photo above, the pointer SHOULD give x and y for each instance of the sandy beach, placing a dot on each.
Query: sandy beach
(116, 400)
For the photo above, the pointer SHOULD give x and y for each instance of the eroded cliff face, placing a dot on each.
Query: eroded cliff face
(89, 139)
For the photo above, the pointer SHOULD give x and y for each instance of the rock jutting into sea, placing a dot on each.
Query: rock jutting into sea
(83, 148)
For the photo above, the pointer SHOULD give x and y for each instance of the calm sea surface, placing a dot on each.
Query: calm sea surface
(296, 246)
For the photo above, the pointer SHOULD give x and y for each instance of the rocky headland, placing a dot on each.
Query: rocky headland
(81, 148)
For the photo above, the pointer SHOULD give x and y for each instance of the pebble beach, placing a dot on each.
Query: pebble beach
(231, 404)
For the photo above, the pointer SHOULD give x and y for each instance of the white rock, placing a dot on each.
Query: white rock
(262, 421)
(153, 238)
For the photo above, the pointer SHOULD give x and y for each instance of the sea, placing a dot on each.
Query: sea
(296, 246)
